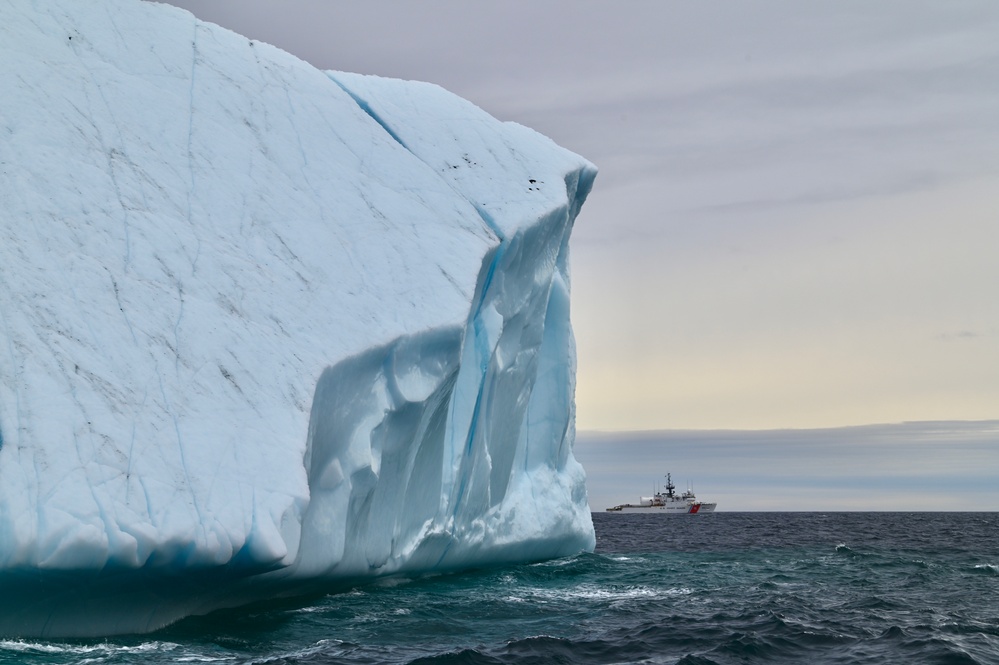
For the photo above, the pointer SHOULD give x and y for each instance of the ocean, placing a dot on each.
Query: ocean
(692, 590)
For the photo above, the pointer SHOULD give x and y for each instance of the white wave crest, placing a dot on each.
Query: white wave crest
(23, 646)
(593, 592)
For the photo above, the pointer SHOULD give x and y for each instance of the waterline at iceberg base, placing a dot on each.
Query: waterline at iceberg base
(265, 328)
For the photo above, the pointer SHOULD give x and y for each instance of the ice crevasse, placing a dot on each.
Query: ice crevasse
(263, 327)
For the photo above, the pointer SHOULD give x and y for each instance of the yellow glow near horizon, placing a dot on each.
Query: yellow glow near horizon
(881, 310)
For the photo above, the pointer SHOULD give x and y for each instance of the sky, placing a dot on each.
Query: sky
(796, 221)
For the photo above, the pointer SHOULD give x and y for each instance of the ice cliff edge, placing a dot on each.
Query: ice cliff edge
(263, 326)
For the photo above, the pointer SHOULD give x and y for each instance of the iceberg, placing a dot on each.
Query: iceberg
(265, 328)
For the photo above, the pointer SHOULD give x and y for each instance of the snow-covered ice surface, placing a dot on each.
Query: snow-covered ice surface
(263, 327)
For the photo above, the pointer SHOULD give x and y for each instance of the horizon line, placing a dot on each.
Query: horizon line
(986, 421)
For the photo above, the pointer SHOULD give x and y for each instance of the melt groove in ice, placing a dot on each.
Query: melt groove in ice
(265, 327)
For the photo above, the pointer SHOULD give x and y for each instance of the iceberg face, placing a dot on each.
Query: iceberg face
(264, 327)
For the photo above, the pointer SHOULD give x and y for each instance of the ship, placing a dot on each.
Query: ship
(667, 503)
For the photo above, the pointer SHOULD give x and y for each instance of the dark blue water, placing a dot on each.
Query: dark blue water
(722, 588)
